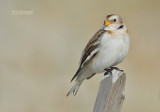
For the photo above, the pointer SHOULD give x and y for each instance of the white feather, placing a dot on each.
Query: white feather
(113, 50)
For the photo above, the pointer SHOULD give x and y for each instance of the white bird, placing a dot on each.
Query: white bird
(107, 48)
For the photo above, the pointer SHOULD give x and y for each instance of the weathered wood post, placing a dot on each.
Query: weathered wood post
(111, 92)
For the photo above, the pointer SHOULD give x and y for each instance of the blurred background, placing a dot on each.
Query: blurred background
(41, 44)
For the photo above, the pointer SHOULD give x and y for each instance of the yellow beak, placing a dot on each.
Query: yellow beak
(107, 23)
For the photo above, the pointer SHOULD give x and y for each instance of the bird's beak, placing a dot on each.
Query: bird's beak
(107, 23)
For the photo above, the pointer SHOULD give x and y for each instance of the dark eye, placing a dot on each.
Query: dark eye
(114, 20)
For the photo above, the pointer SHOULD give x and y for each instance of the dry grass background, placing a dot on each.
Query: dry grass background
(40, 54)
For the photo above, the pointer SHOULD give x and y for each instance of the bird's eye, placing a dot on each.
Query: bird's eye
(114, 20)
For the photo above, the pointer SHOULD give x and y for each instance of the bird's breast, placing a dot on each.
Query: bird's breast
(112, 51)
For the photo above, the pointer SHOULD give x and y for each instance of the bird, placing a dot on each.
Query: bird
(107, 48)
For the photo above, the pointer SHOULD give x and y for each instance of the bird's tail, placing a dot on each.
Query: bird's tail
(75, 88)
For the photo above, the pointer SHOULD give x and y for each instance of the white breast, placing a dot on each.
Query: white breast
(113, 50)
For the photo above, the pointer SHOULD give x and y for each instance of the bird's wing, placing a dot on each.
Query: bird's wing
(89, 52)
(92, 45)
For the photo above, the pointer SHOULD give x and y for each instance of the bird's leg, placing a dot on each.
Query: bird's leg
(108, 70)
(116, 68)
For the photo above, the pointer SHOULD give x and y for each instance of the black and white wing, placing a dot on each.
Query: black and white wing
(90, 51)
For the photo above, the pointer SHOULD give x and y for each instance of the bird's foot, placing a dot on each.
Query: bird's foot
(109, 70)
(116, 68)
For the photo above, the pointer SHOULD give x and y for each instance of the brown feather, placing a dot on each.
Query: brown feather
(91, 46)
(110, 32)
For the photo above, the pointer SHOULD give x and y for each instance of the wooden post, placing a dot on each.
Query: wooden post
(111, 92)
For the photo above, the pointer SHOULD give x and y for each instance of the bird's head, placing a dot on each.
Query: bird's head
(114, 22)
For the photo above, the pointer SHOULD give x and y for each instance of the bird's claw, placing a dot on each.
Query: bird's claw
(116, 68)
(109, 70)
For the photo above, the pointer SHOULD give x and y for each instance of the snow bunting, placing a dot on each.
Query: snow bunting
(107, 48)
